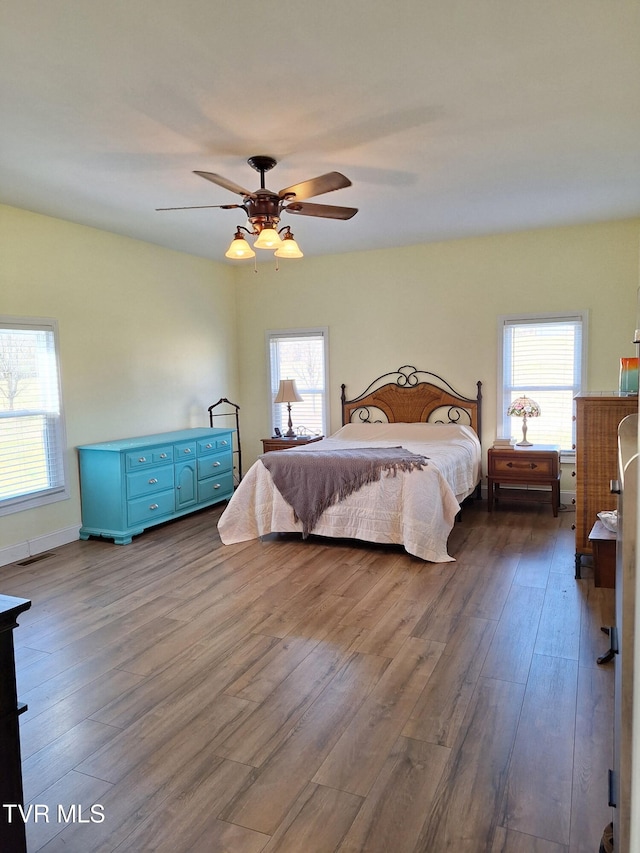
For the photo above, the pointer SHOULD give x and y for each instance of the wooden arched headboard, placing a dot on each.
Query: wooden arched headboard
(408, 395)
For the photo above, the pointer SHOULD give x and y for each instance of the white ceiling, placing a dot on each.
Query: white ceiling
(451, 117)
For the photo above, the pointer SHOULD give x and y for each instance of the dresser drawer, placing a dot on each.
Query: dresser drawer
(215, 487)
(149, 481)
(149, 456)
(162, 454)
(143, 509)
(185, 450)
(214, 465)
(207, 445)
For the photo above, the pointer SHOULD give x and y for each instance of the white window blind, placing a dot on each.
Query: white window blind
(299, 354)
(32, 442)
(542, 358)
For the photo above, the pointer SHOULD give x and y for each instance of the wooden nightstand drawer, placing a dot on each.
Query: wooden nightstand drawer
(516, 464)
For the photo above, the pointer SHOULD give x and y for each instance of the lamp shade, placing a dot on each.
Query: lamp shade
(239, 249)
(268, 239)
(287, 392)
(524, 407)
(289, 248)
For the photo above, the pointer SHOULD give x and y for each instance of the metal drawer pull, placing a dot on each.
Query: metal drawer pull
(217, 486)
(208, 446)
(142, 459)
(216, 464)
(153, 481)
(187, 450)
(163, 456)
(531, 465)
(153, 506)
(224, 443)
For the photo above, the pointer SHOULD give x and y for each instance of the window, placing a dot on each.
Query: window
(543, 357)
(299, 354)
(32, 440)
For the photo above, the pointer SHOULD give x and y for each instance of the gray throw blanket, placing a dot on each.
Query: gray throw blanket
(312, 480)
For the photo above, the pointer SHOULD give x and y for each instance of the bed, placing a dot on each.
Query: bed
(423, 438)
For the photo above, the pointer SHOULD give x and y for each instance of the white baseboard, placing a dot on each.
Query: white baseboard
(22, 550)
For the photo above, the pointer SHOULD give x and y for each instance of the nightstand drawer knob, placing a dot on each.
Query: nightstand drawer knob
(153, 481)
(216, 464)
(153, 506)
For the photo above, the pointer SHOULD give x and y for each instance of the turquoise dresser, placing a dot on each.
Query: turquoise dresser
(129, 485)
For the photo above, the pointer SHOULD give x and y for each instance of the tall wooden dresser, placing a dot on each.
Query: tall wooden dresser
(597, 420)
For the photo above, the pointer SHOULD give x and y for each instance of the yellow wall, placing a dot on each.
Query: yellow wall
(147, 338)
(435, 306)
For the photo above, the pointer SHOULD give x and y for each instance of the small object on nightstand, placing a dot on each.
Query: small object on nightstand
(283, 443)
(535, 466)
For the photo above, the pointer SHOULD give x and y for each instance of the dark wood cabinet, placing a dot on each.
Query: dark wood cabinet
(12, 831)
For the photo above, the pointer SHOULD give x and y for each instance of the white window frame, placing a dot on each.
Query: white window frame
(56, 435)
(580, 377)
(318, 331)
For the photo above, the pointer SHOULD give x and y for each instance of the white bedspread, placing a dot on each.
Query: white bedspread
(415, 509)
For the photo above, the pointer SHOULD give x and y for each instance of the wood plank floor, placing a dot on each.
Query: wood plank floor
(308, 697)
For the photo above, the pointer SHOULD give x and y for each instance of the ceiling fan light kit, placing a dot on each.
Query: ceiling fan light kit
(239, 248)
(268, 238)
(288, 248)
(264, 207)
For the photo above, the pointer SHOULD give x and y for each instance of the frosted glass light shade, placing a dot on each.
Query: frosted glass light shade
(268, 239)
(239, 249)
(289, 248)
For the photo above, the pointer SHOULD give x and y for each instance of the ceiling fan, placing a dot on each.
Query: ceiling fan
(263, 208)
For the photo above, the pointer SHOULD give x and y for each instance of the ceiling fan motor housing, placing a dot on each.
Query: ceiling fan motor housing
(263, 210)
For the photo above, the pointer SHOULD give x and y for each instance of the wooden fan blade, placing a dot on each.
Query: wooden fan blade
(328, 211)
(224, 182)
(201, 207)
(316, 186)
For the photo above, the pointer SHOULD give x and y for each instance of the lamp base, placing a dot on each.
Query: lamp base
(524, 442)
(289, 433)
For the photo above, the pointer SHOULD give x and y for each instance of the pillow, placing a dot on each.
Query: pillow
(405, 432)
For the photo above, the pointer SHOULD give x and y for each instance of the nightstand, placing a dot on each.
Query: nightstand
(269, 444)
(537, 466)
